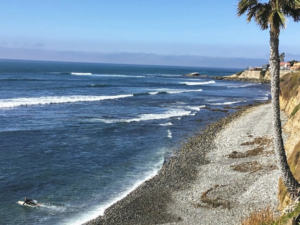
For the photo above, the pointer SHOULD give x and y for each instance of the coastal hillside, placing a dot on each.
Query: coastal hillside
(290, 104)
(256, 75)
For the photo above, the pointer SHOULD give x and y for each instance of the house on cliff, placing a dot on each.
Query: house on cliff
(285, 66)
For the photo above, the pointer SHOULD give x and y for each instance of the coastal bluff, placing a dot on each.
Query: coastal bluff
(290, 105)
(252, 76)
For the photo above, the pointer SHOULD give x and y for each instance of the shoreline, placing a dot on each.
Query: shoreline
(150, 202)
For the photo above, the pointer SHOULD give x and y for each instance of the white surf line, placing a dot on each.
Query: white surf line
(81, 74)
(104, 75)
(15, 102)
(144, 117)
(99, 210)
(225, 103)
(198, 83)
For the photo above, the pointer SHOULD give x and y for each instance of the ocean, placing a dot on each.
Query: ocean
(77, 137)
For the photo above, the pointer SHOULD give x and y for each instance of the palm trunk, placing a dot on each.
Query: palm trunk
(289, 181)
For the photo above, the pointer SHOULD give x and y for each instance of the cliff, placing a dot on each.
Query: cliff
(290, 104)
(252, 75)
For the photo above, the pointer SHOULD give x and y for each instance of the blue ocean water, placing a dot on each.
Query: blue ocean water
(77, 137)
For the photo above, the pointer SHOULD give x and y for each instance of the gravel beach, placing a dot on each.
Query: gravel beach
(218, 177)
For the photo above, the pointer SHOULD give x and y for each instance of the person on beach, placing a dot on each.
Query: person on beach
(29, 202)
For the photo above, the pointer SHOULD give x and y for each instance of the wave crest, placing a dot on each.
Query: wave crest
(198, 83)
(15, 102)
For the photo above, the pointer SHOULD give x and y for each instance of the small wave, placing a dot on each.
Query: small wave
(247, 85)
(81, 74)
(145, 117)
(9, 103)
(262, 99)
(153, 93)
(100, 209)
(169, 134)
(198, 83)
(99, 85)
(196, 108)
(182, 91)
(167, 92)
(225, 103)
(242, 86)
(166, 124)
(119, 75)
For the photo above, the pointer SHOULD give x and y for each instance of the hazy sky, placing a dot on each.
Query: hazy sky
(32, 28)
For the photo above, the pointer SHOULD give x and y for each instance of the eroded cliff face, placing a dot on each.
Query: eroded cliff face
(290, 104)
(250, 74)
(257, 75)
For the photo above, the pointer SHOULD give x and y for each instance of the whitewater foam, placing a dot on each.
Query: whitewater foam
(15, 102)
(166, 124)
(153, 93)
(225, 103)
(262, 99)
(198, 83)
(99, 210)
(171, 91)
(169, 134)
(144, 117)
(245, 85)
(103, 75)
(81, 74)
(119, 75)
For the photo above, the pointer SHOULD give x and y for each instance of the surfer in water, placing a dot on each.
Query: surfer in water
(29, 201)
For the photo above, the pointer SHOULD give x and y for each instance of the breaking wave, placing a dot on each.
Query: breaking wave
(166, 124)
(169, 134)
(144, 117)
(81, 74)
(9, 103)
(198, 83)
(225, 103)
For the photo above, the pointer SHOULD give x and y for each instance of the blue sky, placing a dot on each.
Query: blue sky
(38, 29)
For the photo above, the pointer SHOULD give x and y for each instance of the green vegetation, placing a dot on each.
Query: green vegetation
(286, 219)
(293, 62)
(296, 109)
(239, 73)
(289, 85)
(262, 74)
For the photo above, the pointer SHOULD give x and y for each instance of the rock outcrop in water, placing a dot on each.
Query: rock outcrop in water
(194, 74)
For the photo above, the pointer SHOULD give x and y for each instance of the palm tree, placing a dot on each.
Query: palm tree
(272, 14)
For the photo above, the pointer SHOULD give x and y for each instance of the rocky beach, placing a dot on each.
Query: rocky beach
(219, 176)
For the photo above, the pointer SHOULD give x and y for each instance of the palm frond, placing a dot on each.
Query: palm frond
(277, 21)
(262, 16)
(271, 14)
(245, 5)
(292, 12)
(294, 4)
(253, 11)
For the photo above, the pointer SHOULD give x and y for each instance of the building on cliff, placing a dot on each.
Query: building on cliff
(285, 66)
